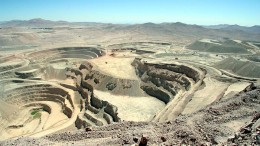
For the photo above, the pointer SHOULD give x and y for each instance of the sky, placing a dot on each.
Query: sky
(201, 12)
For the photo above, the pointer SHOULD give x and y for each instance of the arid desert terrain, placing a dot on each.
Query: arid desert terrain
(65, 83)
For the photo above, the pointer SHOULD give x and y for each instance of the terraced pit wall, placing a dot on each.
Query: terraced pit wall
(164, 81)
(91, 105)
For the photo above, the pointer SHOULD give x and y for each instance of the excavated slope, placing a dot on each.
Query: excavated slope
(57, 90)
(207, 126)
(227, 46)
(31, 103)
(242, 68)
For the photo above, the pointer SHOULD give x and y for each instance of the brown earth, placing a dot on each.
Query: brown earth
(114, 85)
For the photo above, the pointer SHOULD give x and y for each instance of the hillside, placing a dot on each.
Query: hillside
(176, 30)
(242, 68)
(253, 29)
(83, 83)
(226, 46)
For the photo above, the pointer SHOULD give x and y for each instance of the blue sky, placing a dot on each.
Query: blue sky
(202, 12)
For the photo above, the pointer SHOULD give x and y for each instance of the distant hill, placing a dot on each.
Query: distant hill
(242, 68)
(38, 22)
(253, 29)
(167, 31)
(192, 32)
(225, 46)
(219, 26)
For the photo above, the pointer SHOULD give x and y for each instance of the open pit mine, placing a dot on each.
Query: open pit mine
(125, 90)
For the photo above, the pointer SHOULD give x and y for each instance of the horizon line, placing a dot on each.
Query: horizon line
(129, 23)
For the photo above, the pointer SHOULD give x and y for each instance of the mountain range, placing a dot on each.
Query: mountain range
(252, 29)
(176, 30)
(42, 22)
